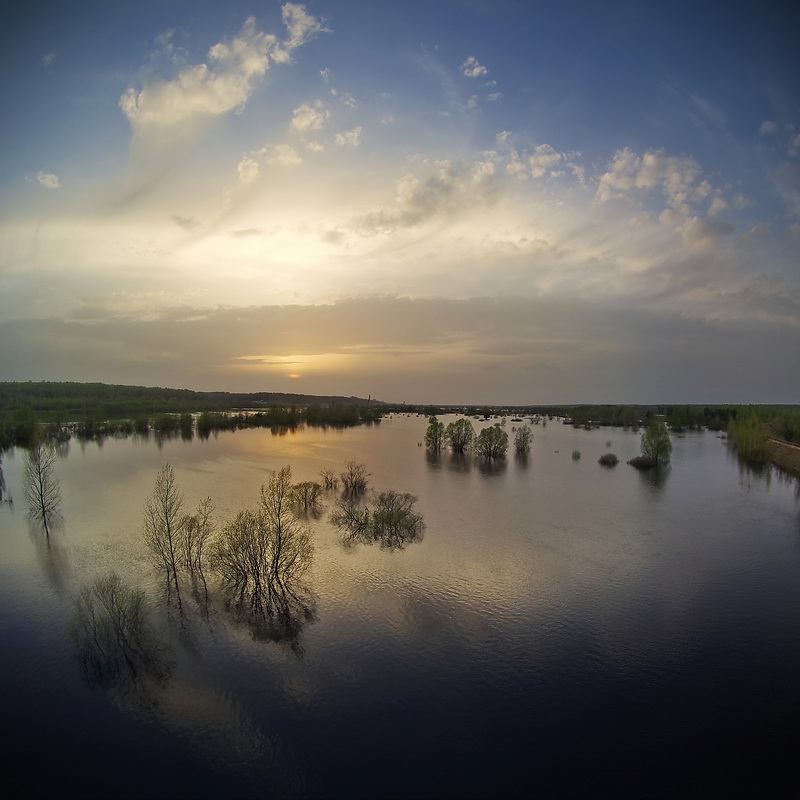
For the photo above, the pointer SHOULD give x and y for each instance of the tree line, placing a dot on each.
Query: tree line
(95, 410)
(25, 424)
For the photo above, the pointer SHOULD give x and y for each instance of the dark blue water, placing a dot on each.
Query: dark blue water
(561, 629)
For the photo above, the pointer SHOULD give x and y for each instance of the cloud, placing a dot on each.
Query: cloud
(450, 190)
(700, 232)
(630, 175)
(539, 161)
(248, 169)
(349, 138)
(48, 59)
(281, 155)
(274, 155)
(224, 82)
(47, 179)
(187, 223)
(301, 25)
(767, 127)
(472, 69)
(309, 118)
(438, 350)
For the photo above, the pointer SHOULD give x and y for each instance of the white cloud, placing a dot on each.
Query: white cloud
(349, 138)
(47, 179)
(472, 69)
(767, 127)
(676, 176)
(309, 118)
(47, 60)
(494, 96)
(248, 170)
(301, 25)
(699, 232)
(543, 161)
(452, 189)
(281, 155)
(315, 147)
(225, 82)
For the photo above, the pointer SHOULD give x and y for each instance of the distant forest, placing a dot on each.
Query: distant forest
(97, 410)
(59, 410)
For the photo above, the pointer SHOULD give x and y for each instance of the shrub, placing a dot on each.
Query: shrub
(576, 454)
(608, 460)
(643, 462)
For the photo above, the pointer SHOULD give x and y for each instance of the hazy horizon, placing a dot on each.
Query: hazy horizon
(513, 203)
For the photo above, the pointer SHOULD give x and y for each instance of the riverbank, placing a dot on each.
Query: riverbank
(786, 456)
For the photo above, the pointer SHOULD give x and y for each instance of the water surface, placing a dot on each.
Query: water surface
(561, 628)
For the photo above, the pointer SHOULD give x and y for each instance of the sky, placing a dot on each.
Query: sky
(457, 201)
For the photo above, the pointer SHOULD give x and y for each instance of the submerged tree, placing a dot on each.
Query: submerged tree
(491, 443)
(354, 478)
(42, 490)
(305, 497)
(522, 440)
(460, 435)
(263, 554)
(195, 530)
(394, 522)
(388, 520)
(656, 444)
(329, 480)
(434, 435)
(163, 524)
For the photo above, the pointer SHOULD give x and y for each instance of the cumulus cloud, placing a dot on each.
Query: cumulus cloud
(309, 118)
(47, 179)
(281, 155)
(301, 25)
(699, 232)
(48, 59)
(349, 138)
(767, 127)
(248, 169)
(225, 81)
(451, 189)
(630, 175)
(540, 161)
(472, 69)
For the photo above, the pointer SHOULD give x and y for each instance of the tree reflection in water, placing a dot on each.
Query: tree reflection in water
(112, 639)
(262, 557)
(388, 521)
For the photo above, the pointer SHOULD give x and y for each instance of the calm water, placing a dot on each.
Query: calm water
(561, 629)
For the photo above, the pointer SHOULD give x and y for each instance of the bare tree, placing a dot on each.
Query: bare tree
(305, 497)
(42, 489)
(263, 553)
(163, 524)
(329, 480)
(195, 532)
(354, 478)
